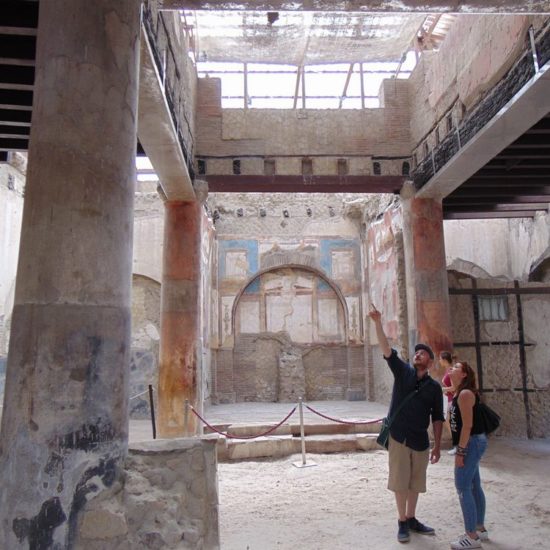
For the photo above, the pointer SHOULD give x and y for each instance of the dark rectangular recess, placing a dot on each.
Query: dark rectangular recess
(270, 167)
(342, 167)
(15, 117)
(307, 167)
(10, 144)
(17, 74)
(20, 98)
(18, 13)
(15, 46)
(14, 131)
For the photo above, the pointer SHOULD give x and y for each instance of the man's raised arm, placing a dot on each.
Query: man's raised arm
(376, 318)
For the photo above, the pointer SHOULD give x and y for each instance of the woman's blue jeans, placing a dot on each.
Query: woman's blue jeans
(468, 484)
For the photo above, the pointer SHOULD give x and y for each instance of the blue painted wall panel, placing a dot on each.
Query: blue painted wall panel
(251, 247)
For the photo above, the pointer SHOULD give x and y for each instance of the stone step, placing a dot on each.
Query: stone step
(243, 430)
(284, 445)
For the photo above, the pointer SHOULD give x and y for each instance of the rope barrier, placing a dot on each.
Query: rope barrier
(230, 436)
(360, 422)
(149, 390)
(135, 396)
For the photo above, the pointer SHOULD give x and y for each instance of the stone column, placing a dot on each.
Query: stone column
(65, 424)
(426, 273)
(179, 325)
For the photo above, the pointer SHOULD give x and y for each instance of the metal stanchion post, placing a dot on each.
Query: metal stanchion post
(152, 407)
(186, 418)
(303, 439)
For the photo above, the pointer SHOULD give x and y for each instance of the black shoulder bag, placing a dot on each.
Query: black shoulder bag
(384, 435)
(489, 418)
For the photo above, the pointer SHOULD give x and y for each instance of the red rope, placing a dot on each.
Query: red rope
(229, 436)
(342, 421)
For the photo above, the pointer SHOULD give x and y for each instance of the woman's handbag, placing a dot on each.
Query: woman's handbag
(490, 420)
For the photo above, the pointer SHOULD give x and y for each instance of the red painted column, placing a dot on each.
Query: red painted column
(427, 284)
(180, 315)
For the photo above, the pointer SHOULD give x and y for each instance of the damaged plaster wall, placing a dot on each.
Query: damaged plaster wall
(145, 343)
(147, 273)
(506, 249)
(288, 270)
(12, 188)
(208, 278)
(168, 499)
(148, 232)
(387, 291)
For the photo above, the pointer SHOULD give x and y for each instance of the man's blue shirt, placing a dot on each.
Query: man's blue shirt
(411, 424)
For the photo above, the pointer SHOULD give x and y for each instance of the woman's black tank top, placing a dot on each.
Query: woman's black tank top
(455, 419)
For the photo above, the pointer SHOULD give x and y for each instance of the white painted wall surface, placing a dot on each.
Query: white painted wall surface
(11, 213)
(502, 248)
(148, 235)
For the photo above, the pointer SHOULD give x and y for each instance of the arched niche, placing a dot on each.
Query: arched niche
(293, 298)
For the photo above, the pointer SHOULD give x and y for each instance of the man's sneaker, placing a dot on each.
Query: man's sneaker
(417, 527)
(465, 543)
(403, 534)
(483, 535)
(452, 451)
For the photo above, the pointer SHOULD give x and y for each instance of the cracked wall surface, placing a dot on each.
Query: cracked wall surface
(306, 251)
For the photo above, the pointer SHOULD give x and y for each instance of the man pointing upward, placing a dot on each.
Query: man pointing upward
(409, 444)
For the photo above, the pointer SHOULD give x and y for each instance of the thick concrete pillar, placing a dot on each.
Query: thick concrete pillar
(64, 427)
(426, 273)
(180, 316)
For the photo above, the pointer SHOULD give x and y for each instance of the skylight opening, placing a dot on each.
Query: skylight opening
(327, 86)
(145, 171)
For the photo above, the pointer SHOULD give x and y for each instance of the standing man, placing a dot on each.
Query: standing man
(409, 444)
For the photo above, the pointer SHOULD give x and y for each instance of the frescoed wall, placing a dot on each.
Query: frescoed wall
(281, 297)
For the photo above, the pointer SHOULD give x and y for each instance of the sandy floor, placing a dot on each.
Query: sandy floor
(343, 503)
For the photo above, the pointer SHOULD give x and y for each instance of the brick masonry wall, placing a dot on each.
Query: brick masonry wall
(250, 371)
(326, 373)
(287, 135)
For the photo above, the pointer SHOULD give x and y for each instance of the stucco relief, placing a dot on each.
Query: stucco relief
(354, 318)
(226, 319)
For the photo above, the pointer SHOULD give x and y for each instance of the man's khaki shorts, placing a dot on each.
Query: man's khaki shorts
(407, 468)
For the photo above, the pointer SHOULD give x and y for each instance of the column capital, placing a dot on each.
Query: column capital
(408, 190)
(201, 190)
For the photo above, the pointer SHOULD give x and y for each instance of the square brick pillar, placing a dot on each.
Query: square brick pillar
(180, 318)
(426, 273)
